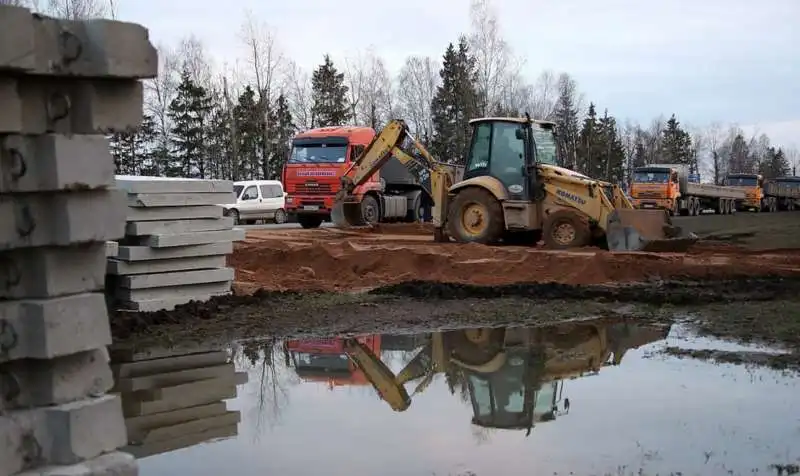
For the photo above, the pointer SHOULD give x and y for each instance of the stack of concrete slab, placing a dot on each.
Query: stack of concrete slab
(63, 86)
(176, 242)
(174, 398)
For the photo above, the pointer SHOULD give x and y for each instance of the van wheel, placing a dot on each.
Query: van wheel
(280, 216)
(235, 215)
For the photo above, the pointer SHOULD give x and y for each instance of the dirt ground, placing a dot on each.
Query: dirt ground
(742, 284)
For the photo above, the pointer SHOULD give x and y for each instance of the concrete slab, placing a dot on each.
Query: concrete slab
(143, 184)
(176, 227)
(165, 304)
(61, 435)
(193, 394)
(137, 426)
(145, 253)
(172, 213)
(185, 441)
(112, 249)
(133, 353)
(16, 23)
(168, 433)
(168, 364)
(180, 278)
(64, 379)
(109, 464)
(179, 199)
(53, 162)
(100, 49)
(60, 219)
(150, 384)
(32, 273)
(199, 238)
(50, 328)
(49, 105)
(199, 292)
(124, 268)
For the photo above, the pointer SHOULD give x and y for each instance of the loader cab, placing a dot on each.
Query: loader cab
(508, 149)
(512, 397)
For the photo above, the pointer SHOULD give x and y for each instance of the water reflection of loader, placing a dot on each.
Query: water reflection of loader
(514, 376)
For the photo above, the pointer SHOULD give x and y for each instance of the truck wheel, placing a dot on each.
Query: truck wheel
(309, 221)
(370, 210)
(416, 212)
(475, 217)
(566, 229)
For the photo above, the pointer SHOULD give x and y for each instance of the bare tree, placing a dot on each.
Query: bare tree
(77, 9)
(793, 156)
(713, 138)
(265, 59)
(195, 61)
(159, 93)
(370, 88)
(297, 88)
(417, 83)
(492, 54)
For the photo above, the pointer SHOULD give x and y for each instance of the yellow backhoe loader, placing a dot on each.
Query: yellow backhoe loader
(514, 376)
(511, 186)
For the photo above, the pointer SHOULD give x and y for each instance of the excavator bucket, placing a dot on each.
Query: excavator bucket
(345, 213)
(632, 229)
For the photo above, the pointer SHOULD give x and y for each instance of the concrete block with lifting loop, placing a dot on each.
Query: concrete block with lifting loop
(646, 230)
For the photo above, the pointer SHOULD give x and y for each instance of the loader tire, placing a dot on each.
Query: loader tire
(475, 217)
(467, 350)
(566, 229)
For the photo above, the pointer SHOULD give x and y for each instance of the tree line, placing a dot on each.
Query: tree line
(208, 122)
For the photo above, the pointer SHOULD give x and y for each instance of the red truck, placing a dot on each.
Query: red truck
(319, 158)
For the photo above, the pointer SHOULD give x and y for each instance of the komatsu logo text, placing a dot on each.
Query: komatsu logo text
(570, 196)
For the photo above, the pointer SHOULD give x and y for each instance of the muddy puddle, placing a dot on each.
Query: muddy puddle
(588, 397)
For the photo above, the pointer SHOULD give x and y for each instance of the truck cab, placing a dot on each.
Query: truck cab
(753, 186)
(318, 159)
(655, 187)
(324, 360)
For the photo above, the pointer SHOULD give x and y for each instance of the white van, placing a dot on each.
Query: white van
(257, 200)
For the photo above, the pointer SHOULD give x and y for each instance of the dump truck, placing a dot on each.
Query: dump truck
(512, 187)
(514, 376)
(766, 195)
(318, 159)
(324, 360)
(667, 187)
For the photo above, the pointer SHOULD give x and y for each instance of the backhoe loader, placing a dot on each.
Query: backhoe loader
(512, 186)
(514, 376)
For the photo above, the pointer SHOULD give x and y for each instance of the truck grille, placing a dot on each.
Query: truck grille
(313, 188)
(648, 195)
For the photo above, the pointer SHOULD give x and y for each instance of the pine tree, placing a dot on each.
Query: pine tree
(566, 117)
(189, 112)
(329, 95)
(132, 150)
(455, 103)
(739, 156)
(283, 129)
(611, 152)
(774, 163)
(676, 147)
(249, 133)
(588, 141)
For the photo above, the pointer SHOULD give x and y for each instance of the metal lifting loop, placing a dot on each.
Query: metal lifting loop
(70, 47)
(8, 337)
(58, 106)
(19, 167)
(25, 221)
(13, 275)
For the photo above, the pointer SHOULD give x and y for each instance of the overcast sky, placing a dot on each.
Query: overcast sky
(705, 60)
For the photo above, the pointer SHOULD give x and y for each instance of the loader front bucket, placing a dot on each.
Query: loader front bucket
(632, 229)
(346, 212)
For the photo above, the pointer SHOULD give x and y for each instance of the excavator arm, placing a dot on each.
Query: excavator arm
(392, 141)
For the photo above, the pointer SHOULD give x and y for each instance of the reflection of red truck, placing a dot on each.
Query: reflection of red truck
(324, 360)
(320, 158)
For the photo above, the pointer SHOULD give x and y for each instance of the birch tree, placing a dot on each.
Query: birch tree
(417, 84)
(492, 55)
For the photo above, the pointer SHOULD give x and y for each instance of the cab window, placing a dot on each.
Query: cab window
(480, 148)
(508, 153)
(251, 193)
(356, 151)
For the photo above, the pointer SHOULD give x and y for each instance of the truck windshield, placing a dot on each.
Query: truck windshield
(742, 181)
(545, 146)
(650, 177)
(318, 154)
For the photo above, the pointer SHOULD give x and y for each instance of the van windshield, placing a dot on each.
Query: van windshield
(237, 190)
(318, 154)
